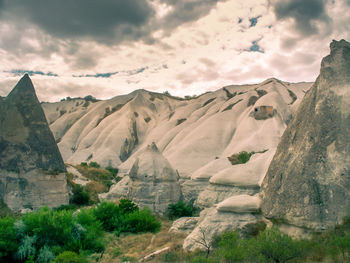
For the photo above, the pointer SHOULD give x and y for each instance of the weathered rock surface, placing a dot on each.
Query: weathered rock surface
(308, 181)
(152, 182)
(184, 225)
(240, 204)
(31, 166)
(213, 222)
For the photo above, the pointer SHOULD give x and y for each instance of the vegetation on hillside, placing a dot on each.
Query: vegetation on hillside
(69, 236)
(100, 180)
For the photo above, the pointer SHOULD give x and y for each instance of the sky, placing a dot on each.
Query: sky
(107, 48)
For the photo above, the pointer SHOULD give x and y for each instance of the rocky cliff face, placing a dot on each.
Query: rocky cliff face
(308, 181)
(31, 166)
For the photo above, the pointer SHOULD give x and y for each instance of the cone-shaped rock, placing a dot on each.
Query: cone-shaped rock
(154, 183)
(28, 153)
(308, 181)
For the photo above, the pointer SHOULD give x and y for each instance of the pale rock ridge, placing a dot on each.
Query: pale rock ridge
(31, 167)
(308, 181)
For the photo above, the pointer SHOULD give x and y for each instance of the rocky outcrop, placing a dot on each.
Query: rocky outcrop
(308, 181)
(212, 222)
(184, 225)
(31, 166)
(151, 182)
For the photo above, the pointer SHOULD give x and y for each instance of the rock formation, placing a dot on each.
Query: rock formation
(308, 181)
(151, 182)
(31, 166)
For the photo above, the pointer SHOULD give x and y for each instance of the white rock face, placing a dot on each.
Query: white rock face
(240, 204)
(195, 137)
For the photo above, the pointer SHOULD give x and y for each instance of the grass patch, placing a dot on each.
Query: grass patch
(137, 246)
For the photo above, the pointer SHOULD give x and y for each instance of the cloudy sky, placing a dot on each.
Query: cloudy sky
(111, 47)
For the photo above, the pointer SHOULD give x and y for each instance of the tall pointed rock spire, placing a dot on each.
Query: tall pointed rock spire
(308, 181)
(31, 166)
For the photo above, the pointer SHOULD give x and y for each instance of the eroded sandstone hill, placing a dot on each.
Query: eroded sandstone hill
(31, 166)
(308, 181)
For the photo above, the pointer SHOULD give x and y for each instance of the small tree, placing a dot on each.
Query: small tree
(204, 241)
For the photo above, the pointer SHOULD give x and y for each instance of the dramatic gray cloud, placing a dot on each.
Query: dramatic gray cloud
(100, 20)
(305, 13)
(185, 11)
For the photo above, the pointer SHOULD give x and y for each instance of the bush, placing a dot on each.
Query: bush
(70, 257)
(80, 196)
(230, 248)
(142, 221)
(8, 239)
(92, 236)
(180, 209)
(110, 215)
(45, 255)
(112, 170)
(273, 246)
(50, 227)
(94, 165)
(127, 206)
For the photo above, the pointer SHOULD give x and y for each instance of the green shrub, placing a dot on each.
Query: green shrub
(339, 245)
(72, 207)
(50, 227)
(142, 221)
(180, 209)
(70, 257)
(84, 164)
(240, 158)
(244, 156)
(27, 248)
(127, 206)
(8, 239)
(273, 246)
(80, 196)
(112, 170)
(45, 255)
(94, 165)
(230, 248)
(110, 215)
(93, 234)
